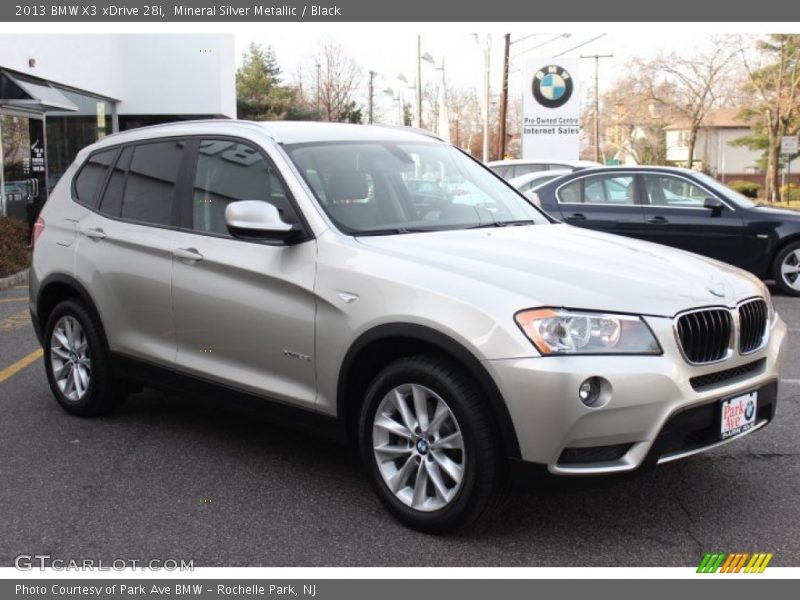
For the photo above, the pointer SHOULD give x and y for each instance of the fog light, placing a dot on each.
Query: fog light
(589, 391)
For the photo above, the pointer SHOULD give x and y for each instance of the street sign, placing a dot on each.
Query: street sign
(789, 144)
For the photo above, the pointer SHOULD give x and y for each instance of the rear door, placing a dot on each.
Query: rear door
(608, 202)
(124, 252)
(244, 311)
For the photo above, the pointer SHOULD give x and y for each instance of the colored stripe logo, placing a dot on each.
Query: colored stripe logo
(738, 562)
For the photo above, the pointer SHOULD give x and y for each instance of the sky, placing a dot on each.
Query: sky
(392, 52)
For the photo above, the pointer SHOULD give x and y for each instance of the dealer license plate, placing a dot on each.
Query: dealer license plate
(738, 415)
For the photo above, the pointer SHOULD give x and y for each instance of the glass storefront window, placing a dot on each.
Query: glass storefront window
(68, 132)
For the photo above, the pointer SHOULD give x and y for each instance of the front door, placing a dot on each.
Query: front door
(244, 311)
(675, 216)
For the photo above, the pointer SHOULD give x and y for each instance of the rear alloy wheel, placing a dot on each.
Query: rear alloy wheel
(787, 269)
(76, 362)
(429, 444)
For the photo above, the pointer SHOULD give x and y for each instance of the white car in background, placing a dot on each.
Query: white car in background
(509, 169)
(531, 181)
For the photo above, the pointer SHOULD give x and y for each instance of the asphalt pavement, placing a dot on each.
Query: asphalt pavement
(170, 478)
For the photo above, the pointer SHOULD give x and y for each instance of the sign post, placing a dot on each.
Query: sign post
(789, 147)
(551, 115)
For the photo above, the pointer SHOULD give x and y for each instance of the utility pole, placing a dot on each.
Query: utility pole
(501, 151)
(318, 89)
(419, 82)
(371, 97)
(597, 58)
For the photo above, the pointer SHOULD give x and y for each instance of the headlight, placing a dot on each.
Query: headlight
(555, 331)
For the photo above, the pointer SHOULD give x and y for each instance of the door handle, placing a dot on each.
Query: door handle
(95, 234)
(576, 217)
(659, 220)
(187, 254)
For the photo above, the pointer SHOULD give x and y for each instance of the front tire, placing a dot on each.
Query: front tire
(77, 366)
(786, 269)
(429, 445)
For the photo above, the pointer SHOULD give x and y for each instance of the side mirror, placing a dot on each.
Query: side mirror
(256, 220)
(714, 205)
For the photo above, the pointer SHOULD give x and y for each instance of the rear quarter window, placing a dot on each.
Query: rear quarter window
(91, 177)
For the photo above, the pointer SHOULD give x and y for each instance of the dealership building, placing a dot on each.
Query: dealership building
(59, 93)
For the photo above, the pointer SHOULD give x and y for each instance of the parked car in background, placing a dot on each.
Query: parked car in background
(531, 181)
(509, 169)
(683, 209)
(454, 332)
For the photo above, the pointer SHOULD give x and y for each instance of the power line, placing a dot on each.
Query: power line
(594, 39)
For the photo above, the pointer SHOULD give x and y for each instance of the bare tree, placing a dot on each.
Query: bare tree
(773, 80)
(332, 82)
(691, 86)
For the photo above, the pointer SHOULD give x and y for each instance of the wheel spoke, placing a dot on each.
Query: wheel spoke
(420, 406)
(448, 466)
(61, 336)
(787, 268)
(392, 426)
(439, 417)
(83, 375)
(60, 352)
(398, 479)
(436, 478)
(454, 441)
(408, 419)
(392, 452)
(420, 486)
(69, 383)
(76, 377)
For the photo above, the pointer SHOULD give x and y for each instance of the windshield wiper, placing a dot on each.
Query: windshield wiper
(391, 231)
(504, 223)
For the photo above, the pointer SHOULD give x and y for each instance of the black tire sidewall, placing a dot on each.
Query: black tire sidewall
(449, 383)
(784, 287)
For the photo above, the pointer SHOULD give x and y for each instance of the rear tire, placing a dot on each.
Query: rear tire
(786, 269)
(429, 445)
(77, 364)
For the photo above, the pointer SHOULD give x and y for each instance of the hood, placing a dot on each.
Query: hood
(564, 266)
(779, 212)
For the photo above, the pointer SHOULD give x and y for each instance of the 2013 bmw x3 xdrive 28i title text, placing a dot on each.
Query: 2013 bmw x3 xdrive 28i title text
(381, 285)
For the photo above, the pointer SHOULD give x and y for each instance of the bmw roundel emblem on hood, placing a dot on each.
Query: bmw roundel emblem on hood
(552, 86)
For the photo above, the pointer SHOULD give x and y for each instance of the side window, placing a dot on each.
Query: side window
(151, 181)
(571, 193)
(666, 190)
(614, 190)
(228, 171)
(111, 204)
(92, 176)
(503, 171)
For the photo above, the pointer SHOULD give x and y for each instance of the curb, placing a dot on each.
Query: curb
(15, 279)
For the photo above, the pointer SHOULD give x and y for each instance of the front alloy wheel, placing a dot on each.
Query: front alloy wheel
(418, 447)
(430, 445)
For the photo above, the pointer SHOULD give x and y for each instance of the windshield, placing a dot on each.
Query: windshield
(725, 191)
(382, 188)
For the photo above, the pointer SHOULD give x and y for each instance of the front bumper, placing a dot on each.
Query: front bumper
(660, 407)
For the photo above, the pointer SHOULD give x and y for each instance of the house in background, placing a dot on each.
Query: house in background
(714, 151)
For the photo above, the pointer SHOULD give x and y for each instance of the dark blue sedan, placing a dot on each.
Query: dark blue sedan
(683, 209)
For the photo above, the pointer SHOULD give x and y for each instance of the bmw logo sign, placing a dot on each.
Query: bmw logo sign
(749, 409)
(552, 86)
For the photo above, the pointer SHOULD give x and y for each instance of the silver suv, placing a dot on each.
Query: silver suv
(381, 286)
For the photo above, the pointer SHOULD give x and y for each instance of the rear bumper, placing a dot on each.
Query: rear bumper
(660, 408)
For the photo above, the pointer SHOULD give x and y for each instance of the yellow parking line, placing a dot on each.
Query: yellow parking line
(20, 364)
(16, 321)
(20, 299)
(20, 287)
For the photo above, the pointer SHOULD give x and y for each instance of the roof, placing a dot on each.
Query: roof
(721, 118)
(543, 161)
(283, 132)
